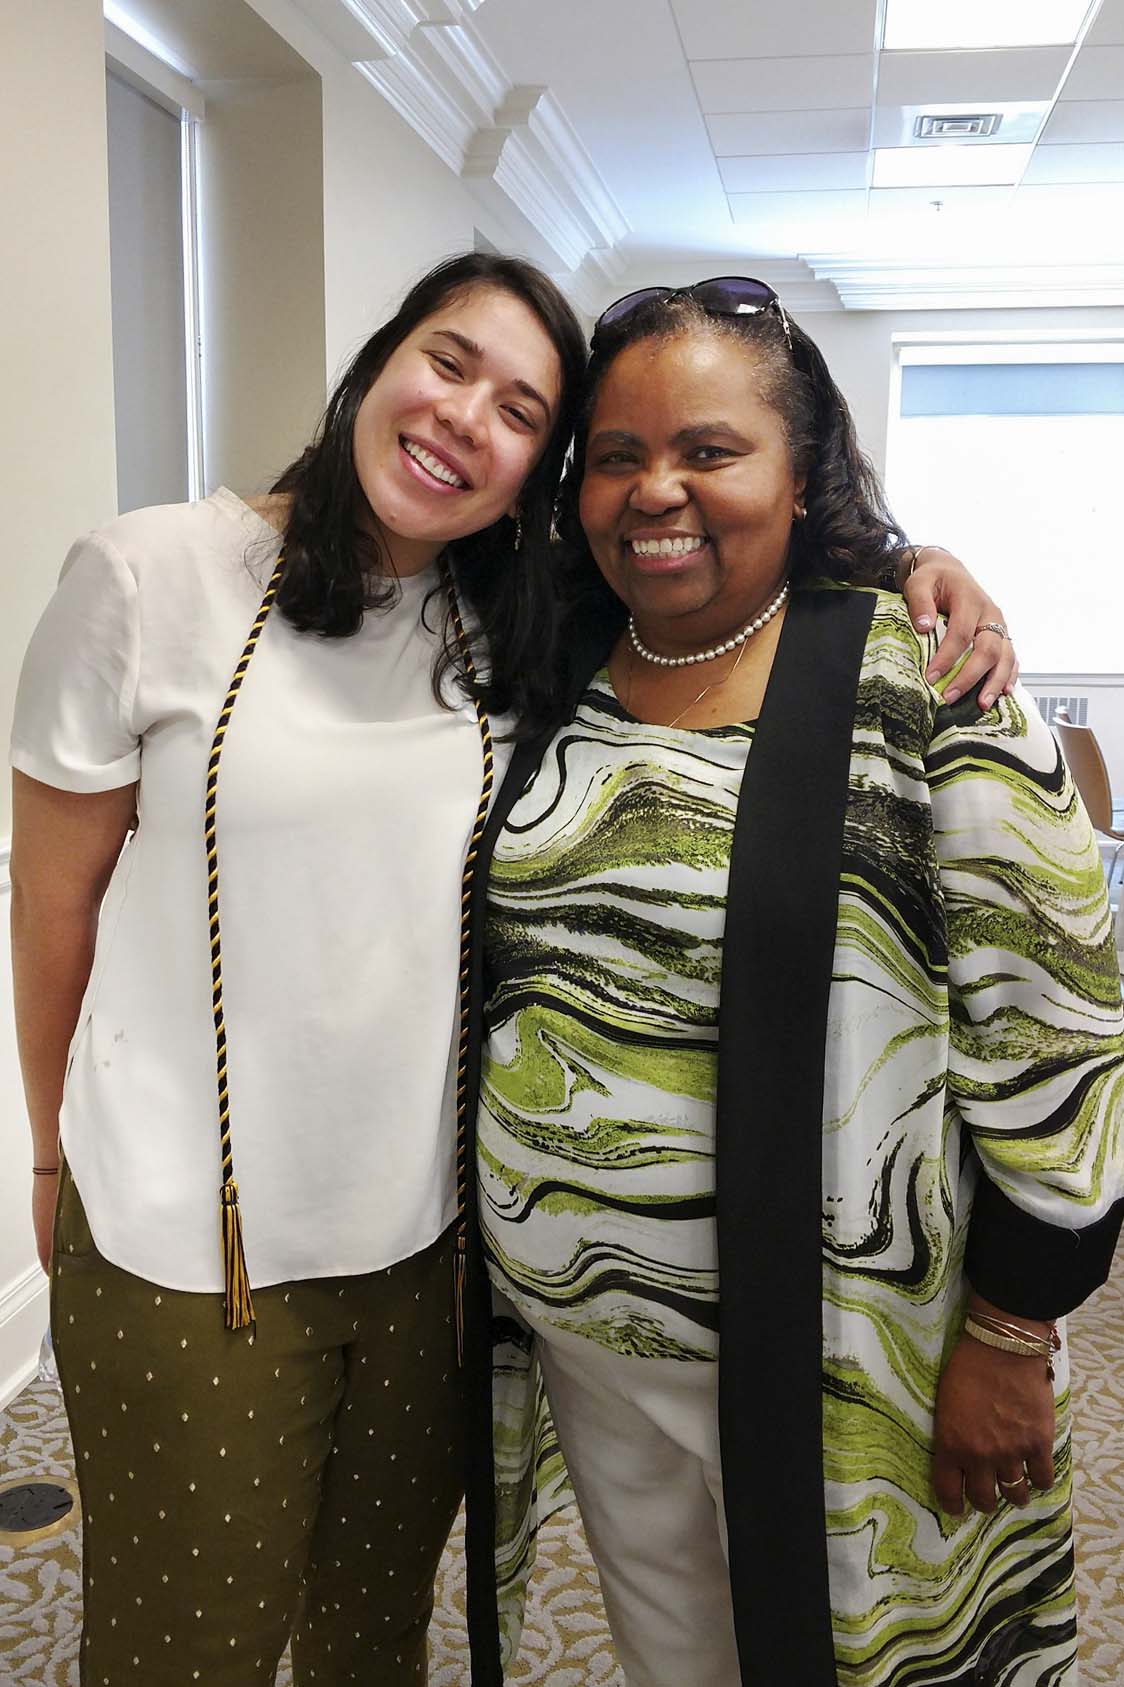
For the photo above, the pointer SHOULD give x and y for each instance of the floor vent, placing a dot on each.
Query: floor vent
(33, 1508)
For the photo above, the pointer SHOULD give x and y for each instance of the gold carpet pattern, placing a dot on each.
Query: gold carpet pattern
(566, 1643)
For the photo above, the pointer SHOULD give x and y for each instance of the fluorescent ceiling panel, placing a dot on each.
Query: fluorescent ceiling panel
(919, 25)
(949, 166)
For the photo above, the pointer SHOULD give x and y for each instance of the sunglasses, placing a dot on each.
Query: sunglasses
(723, 295)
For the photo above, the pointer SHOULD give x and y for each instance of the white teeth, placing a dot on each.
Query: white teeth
(433, 465)
(668, 547)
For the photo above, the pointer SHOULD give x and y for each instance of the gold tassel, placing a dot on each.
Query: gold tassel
(458, 1291)
(239, 1301)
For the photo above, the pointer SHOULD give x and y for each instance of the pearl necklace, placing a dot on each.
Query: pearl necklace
(747, 632)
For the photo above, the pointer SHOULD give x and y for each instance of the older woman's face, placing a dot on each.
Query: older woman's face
(688, 493)
(455, 422)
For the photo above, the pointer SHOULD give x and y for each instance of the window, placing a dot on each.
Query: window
(1010, 454)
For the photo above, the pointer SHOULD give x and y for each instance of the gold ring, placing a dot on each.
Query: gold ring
(1017, 1483)
(993, 627)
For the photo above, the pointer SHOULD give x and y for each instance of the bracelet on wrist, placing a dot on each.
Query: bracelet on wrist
(1005, 1337)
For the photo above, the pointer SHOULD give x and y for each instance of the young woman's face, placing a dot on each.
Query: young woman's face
(455, 422)
(688, 493)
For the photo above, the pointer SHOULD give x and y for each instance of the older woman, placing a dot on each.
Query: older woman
(801, 1078)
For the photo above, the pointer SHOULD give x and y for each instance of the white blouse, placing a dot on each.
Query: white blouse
(346, 800)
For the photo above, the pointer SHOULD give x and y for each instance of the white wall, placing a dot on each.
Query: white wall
(56, 446)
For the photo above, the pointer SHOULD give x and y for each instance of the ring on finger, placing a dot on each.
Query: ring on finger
(1018, 1482)
(992, 627)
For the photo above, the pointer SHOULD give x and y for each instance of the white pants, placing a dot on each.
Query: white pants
(640, 1438)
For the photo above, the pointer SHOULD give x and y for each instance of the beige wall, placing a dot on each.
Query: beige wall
(56, 409)
(391, 208)
(260, 189)
(56, 447)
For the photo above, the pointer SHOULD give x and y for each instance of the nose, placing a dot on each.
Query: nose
(657, 488)
(462, 410)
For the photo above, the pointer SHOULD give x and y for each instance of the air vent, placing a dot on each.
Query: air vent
(963, 126)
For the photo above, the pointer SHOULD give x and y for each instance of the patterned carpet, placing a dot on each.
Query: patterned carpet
(566, 1643)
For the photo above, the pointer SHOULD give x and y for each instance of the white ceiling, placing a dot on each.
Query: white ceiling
(612, 135)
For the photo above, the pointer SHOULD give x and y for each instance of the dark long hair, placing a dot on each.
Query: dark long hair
(336, 570)
(848, 534)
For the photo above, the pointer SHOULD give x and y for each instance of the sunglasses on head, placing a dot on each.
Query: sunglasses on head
(723, 295)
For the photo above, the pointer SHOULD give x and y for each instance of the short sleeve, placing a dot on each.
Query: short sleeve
(73, 725)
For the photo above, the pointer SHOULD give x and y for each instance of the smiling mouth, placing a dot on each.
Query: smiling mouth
(432, 466)
(665, 556)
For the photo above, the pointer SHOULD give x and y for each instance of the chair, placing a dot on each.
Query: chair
(1090, 775)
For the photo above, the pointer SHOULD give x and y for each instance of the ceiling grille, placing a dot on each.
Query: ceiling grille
(930, 126)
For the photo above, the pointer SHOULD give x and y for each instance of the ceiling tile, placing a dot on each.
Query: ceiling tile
(740, 133)
(1097, 75)
(1087, 206)
(888, 202)
(1108, 31)
(1086, 120)
(727, 29)
(1024, 73)
(1076, 163)
(805, 209)
(783, 84)
(795, 171)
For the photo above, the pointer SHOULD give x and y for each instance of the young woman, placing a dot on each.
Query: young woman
(800, 1070)
(255, 1004)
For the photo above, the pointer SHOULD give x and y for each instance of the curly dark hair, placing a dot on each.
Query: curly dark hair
(848, 535)
(335, 568)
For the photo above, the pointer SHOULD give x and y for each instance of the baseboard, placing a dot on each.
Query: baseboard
(24, 1312)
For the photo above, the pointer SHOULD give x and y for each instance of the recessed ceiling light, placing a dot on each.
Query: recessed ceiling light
(920, 26)
(949, 166)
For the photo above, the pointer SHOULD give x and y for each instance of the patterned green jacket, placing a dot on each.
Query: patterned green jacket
(921, 1079)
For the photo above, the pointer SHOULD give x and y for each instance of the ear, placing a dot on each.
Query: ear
(798, 486)
(512, 511)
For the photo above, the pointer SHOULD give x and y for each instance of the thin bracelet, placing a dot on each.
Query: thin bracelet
(45, 1171)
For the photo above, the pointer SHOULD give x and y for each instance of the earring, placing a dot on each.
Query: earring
(800, 511)
(518, 531)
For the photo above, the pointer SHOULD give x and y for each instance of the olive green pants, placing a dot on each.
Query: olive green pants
(243, 1487)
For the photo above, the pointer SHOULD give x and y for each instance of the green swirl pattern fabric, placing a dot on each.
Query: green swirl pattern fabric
(596, 1127)
(975, 1029)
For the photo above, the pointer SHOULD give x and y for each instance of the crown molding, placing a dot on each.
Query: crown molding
(910, 284)
(513, 146)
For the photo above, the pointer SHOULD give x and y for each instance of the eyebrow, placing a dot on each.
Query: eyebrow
(471, 349)
(685, 436)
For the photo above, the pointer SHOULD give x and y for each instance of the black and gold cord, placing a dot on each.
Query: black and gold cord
(239, 1301)
(467, 876)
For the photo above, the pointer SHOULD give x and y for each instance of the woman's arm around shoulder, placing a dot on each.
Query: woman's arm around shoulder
(1036, 1054)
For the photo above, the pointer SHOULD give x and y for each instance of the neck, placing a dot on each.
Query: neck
(672, 641)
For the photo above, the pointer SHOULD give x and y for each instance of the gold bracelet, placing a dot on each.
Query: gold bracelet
(1032, 1347)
